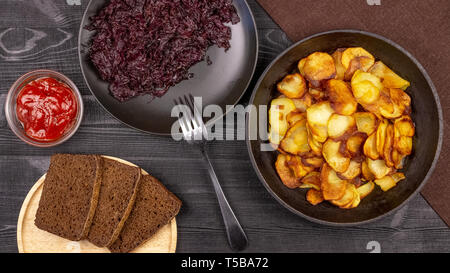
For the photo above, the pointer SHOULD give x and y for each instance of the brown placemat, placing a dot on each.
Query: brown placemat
(420, 26)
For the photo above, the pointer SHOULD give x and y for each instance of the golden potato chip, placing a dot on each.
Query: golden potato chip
(287, 175)
(296, 165)
(314, 197)
(353, 52)
(339, 125)
(317, 94)
(333, 188)
(388, 77)
(386, 183)
(397, 158)
(294, 116)
(341, 97)
(293, 86)
(405, 126)
(279, 109)
(319, 66)
(340, 69)
(400, 98)
(403, 145)
(303, 103)
(347, 198)
(365, 189)
(316, 146)
(381, 136)
(311, 180)
(389, 146)
(359, 63)
(318, 116)
(331, 154)
(301, 65)
(355, 143)
(378, 168)
(398, 177)
(366, 88)
(366, 173)
(366, 122)
(353, 170)
(296, 139)
(370, 147)
(315, 162)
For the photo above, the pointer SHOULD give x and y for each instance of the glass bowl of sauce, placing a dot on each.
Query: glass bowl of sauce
(44, 108)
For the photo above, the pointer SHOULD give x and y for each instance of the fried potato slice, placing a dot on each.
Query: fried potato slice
(389, 146)
(403, 145)
(315, 162)
(296, 140)
(339, 125)
(381, 136)
(316, 146)
(366, 173)
(347, 199)
(401, 102)
(353, 170)
(388, 77)
(301, 65)
(294, 116)
(365, 189)
(293, 86)
(318, 116)
(303, 103)
(405, 126)
(397, 158)
(340, 69)
(354, 144)
(333, 188)
(331, 154)
(386, 183)
(279, 109)
(317, 94)
(286, 174)
(311, 180)
(314, 197)
(362, 63)
(366, 87)
(366, 122)
(398, 177)
(295, 164)
(341, 97)
(370, 147)
(378, 168)
(319, 66)
(354, 52)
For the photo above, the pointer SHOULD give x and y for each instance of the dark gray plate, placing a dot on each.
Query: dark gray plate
(222, 83)
(427, 115)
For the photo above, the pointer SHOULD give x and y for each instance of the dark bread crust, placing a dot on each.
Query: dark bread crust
(120, 183)
(70, 194)
(155, 207)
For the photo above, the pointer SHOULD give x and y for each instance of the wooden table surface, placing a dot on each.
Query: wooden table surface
(43, 34)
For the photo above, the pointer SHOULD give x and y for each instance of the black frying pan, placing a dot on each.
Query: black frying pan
(222, 83)
(426, 113)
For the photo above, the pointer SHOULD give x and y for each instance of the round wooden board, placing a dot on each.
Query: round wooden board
(30, 239)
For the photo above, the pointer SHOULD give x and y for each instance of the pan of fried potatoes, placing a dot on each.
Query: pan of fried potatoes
(354, 123)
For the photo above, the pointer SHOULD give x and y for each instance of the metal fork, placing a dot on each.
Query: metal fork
(195, 132)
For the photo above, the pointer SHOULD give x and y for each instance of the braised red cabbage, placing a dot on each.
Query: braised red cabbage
(147, 46)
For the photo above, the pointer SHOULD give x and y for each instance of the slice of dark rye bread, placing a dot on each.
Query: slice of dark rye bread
(155, 206)
(120, 183)
(70, 194)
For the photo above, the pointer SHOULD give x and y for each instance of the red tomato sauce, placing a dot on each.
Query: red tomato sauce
(47, 109)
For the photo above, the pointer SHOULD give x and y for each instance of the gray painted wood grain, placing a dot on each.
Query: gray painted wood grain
(43, 34)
